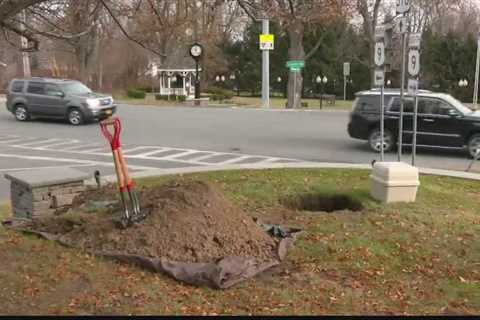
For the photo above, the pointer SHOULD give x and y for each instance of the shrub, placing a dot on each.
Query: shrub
(220, 94)
(136, 94)
(181, 98)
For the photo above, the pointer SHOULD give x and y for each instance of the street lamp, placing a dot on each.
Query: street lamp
(463, 83)
(322, 81)
(389, 83)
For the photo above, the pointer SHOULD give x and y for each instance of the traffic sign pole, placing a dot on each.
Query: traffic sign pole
(266, 68)
(403, 7)
(414, 71)
(380, 81)
(477, 71)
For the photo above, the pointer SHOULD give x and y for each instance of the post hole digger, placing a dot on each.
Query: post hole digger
(131, 206)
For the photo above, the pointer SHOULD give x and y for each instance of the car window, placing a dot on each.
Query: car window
(370, 103)
(52, 90)
(36, 88)
(395, 105)
(17, 86)
(442, 108)
(427, 106)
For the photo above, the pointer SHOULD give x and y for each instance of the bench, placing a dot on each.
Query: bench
(43, 192)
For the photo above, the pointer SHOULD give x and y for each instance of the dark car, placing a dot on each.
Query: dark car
(57, 98)
(443, 121)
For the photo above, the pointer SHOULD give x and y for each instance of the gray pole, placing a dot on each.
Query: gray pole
(477, 71)
(27, 73)
(382, 124)
(265, 68)
(415, 119)
(402, 94)
(345, 88)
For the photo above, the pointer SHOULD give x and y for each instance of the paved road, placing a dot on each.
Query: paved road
(182, 137)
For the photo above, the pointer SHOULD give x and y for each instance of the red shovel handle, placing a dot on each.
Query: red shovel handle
(117, 126)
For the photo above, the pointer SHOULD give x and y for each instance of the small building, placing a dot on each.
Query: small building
(176, 74)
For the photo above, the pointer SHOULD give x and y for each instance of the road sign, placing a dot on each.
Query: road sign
(267, 41)
(379, 54)
(415, 40)
(295, 65)
(380, 32)
(346, 69)
(403, 6)
(379, 78)
(414, 62)
(403, 25)
(412, 87)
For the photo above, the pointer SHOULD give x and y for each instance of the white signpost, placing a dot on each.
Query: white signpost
(477, 73)
(414, 71)
(346, 73)
(380, 82)
(403, 7)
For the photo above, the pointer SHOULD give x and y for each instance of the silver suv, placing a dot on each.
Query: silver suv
(57, 98)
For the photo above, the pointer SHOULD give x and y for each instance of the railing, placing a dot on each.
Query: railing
(173, 91)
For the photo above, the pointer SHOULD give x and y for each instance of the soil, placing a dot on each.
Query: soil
(189, 221)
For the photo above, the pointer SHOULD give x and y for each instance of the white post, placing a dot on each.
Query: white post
(345, 88)
(477, 71)
(266, 68)
(160, 78)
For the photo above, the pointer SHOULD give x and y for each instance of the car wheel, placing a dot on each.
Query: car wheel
(21, 113)
(474, 146)
(375, 141)
(75, 117)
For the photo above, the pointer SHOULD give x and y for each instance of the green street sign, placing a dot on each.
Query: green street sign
(292, 69)
(295, 64)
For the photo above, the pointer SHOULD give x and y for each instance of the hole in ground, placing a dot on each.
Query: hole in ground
(321, 202)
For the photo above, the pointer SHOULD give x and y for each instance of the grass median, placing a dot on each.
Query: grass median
(421, 258)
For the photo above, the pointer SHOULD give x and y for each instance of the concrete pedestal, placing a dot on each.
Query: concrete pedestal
(394, 182)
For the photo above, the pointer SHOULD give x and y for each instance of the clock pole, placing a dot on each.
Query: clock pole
(197, 81)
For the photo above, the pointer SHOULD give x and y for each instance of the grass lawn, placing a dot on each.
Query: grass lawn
(246, 102)
(421, 258)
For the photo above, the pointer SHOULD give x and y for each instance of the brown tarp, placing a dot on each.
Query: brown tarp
(221, 274)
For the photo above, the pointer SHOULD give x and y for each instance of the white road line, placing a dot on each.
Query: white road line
(81, 146)
(38, 142)
(179, 155)
(234, 160)
(199, 159)
(91, 151)
(36, 168)
(147, 155)
(85, 162)
(58, 144)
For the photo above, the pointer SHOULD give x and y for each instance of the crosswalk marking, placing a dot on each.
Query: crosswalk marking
(150, 153)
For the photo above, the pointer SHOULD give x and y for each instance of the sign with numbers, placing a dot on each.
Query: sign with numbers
(412, 87)
(379, 78)
(403, 25)
(415, 40)
(379, 54)
(403, 6)
(346, 69)
(414, 62)
(267, 41)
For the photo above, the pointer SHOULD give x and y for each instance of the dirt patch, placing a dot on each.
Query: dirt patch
(322, 203)
(189, 221)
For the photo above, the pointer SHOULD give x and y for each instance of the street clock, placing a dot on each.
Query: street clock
(196, 51)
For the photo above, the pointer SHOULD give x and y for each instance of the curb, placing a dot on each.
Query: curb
(301, 165)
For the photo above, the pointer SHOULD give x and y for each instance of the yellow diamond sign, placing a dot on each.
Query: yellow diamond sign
(267, 41)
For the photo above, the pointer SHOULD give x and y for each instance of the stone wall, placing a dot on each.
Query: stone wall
(31, 203)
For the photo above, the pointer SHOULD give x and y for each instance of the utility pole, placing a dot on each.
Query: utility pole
(477, 71)
(265, 67)
(27, 73)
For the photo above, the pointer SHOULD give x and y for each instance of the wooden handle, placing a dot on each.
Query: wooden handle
(123, 165)
(119, 171)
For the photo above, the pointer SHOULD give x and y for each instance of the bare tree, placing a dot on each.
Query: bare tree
(295, 17)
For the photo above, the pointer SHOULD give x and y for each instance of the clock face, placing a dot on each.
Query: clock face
(196, 50)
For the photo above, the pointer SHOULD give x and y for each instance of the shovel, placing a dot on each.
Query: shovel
(131, 206)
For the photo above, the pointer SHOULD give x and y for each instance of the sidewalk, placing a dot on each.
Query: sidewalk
(301, 165)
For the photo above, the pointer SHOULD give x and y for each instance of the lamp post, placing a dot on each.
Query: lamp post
(389, 83)
(322, 81)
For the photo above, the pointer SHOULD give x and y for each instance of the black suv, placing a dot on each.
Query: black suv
(57, 98)
(443, 121)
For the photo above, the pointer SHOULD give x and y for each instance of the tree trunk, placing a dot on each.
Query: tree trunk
(295, 52)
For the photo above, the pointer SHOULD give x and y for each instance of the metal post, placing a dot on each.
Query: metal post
(402, 94)
(321, 96)
(477, 71)
(415, 118)
(382, 124)
(345, 88)
(266, 68)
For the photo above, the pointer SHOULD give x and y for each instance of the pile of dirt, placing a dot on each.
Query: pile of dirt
(189, 221)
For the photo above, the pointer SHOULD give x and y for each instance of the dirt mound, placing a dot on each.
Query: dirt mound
(189, 221)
